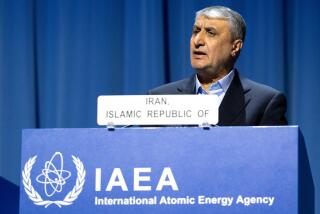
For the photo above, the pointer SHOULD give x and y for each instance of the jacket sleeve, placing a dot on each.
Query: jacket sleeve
(274, 113)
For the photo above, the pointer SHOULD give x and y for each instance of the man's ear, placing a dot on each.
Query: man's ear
(236, 47)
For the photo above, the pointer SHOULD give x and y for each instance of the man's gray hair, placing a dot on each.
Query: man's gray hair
(237, 23)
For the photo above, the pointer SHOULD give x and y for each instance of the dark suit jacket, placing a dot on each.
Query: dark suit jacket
(246, 103)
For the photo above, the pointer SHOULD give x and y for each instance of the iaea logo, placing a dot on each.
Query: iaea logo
(53, 177)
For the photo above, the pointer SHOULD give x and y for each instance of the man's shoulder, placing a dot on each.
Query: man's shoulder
(182, 86)
(258, 88)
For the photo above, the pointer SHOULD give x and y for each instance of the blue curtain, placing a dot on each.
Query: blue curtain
(57, 56)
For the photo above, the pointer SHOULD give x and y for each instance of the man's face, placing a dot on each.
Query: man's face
(211, 45)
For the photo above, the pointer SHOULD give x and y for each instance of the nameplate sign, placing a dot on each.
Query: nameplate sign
(157, 110)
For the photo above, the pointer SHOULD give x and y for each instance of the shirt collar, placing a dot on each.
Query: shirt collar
(222, 85)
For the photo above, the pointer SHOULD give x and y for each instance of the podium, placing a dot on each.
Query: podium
(9, 196)
(166, 170)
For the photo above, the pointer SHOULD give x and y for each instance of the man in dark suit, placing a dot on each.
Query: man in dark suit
(217, 38)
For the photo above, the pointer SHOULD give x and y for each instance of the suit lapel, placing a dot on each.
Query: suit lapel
(232, 108)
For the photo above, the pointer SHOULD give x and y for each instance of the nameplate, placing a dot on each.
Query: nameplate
(157, 110)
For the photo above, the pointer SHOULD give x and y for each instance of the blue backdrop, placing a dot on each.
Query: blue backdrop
(57, 56)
